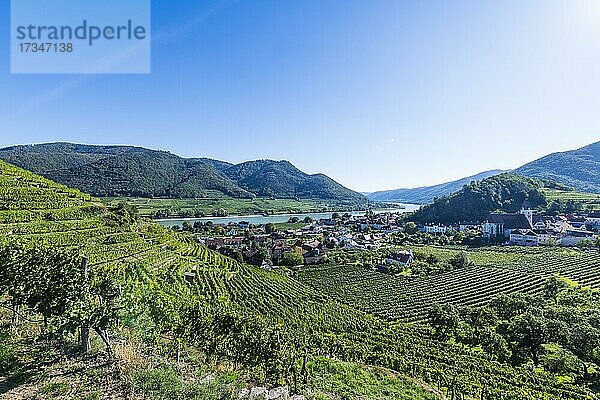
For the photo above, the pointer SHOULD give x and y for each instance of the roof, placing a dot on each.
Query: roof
(510, 221)
(403, 257)
(524, 232)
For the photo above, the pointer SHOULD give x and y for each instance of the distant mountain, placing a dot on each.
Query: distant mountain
(505, 192)
(135, 171)
(426, 194)
(579, 169)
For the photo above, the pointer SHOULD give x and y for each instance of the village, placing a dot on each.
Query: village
(306, 242)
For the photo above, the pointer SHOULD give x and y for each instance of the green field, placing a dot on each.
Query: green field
(233, 206)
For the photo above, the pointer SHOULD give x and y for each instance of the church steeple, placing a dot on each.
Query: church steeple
(527, 211)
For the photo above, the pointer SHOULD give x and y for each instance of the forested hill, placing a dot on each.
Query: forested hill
(134, 171)
(504, 192)
(579, 168)
(426, 194)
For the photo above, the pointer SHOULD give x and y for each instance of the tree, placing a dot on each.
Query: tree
(528, 332)
(270, 228)
(335, 215)
(221, 212)
(553, 287)
(291, 258)
(461, 260)
(58, 284)
(445, 319)
(584, 342)
(411, 228)
(307, 220)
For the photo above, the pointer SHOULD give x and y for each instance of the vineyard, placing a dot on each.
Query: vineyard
(496, 270)
(170, 283)
(393, 297)
(586, 200)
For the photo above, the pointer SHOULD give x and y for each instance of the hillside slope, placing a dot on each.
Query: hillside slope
(426, 194)
(504, 192)
(579, 169)
(273, 178)
(133, 171)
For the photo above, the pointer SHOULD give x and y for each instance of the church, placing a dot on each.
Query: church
(502, 225)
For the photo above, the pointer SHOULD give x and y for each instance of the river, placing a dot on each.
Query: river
(278, 218)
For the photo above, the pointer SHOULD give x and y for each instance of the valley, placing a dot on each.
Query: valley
(442, 301)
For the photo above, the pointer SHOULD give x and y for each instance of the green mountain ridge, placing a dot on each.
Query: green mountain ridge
(134, 171)
(579, 169)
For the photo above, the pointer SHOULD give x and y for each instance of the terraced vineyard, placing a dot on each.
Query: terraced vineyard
(150, 261)
(588, 201)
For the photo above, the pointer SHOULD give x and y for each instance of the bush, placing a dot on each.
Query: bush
(292, 259)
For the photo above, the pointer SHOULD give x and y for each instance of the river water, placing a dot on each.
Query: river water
(279, 218)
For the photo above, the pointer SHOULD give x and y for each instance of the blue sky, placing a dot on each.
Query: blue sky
(376, 94)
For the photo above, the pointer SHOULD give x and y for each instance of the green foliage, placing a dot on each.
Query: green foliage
(166, 383)
(269, 228)
(461, 260)
(474, 202)
(292, 258)
(47, 280)
(8, 352)
(55, 389)
(353, 381)
(132, 171)
(410, 228)
(557, 331)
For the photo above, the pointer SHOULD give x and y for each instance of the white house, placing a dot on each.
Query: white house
(435, 229)
(521, 237)
(400, 258)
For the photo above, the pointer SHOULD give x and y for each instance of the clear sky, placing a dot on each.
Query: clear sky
(375, 94)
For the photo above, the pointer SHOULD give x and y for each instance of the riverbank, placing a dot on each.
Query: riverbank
(278, 218)
(196, 208)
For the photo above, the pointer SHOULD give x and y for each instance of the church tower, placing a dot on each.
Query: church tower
(527, 211)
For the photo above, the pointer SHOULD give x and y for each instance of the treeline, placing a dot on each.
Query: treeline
(557, 330)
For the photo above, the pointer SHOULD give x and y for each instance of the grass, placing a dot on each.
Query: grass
(167, 383)
(284, 226)
(330, 380)
(208, 207)
(340, 380)
(55, 389)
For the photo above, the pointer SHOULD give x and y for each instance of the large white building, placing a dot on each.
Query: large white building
(502, 225)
